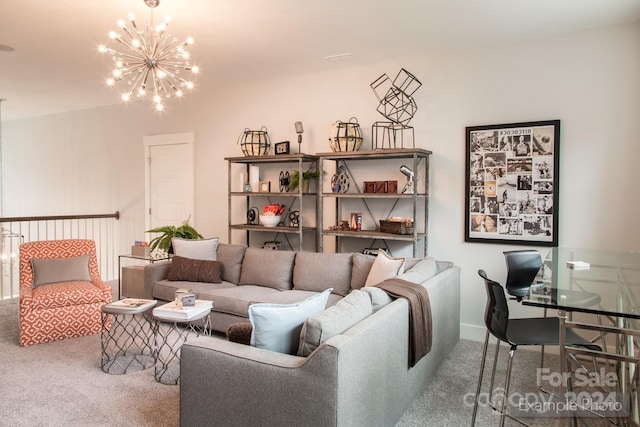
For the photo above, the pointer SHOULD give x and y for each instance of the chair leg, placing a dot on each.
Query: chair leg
(493, 372)
(507, 381)
(479, 387)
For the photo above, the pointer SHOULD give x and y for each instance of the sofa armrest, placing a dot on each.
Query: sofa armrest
(239, 384)
(153, 273)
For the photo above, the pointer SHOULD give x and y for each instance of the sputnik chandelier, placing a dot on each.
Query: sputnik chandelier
(149, 59)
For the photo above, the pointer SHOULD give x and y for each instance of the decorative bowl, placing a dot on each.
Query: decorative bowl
(270, 220)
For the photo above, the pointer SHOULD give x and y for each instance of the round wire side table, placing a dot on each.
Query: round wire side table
(127, 336)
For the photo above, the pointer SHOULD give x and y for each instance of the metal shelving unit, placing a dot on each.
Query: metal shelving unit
(419, 201)
(299, 199)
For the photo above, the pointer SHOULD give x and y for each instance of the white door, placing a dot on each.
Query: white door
(169, 193)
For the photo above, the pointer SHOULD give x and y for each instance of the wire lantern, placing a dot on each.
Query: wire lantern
(345, 136)
(255, 142)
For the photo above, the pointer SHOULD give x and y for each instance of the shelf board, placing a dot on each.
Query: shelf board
(373, 195)
(273, 158)
(279, 229)
(376, 154)
(372, 234)
(270, 194)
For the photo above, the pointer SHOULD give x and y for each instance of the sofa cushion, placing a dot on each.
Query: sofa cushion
(57, 270)
(231, 257)
(165, 289)
(379, 298)
(264, 267)
(276, 327)
(196, 248)
(319, 271)
(384, 267)
(194, 270)
(318, 328)
(237, 299)
(423, 270)
(361, 266)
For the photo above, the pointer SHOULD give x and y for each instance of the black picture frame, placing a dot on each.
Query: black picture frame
(512, 176)
(281, 147)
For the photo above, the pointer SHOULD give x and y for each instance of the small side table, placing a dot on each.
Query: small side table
(170, 334)
(127, 336)
(134, 273)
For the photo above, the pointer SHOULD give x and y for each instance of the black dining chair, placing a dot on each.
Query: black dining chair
(516, 332)
(522, 268)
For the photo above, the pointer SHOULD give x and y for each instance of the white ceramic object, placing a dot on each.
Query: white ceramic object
(270, 220)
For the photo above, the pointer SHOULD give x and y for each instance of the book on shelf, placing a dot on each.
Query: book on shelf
(173, 310)
(127, 304)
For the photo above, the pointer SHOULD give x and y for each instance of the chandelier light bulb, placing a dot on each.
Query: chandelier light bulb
(148, 57)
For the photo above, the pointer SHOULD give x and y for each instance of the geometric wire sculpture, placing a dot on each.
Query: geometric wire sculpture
(396, 103)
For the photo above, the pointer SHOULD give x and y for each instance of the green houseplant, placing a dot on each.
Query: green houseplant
(308, 175)
(168, 232)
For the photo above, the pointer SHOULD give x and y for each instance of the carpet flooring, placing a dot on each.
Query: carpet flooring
(61, 384)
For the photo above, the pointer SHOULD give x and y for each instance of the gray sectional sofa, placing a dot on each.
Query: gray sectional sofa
(355, 374)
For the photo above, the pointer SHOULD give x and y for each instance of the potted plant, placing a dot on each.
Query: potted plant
(163, 241)
(307, 176)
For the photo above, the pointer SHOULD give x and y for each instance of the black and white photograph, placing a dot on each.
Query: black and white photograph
(511, 177)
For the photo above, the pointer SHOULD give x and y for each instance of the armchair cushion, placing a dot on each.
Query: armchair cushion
(56, 270)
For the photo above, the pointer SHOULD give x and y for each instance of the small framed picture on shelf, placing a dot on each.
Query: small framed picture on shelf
(282, 147)
(265, 186)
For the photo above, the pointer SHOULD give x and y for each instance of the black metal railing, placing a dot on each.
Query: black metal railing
(102, 228)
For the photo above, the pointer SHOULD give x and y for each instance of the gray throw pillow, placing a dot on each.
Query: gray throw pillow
(360, 271)
(57, 270)
(319, 271)
(269, 268)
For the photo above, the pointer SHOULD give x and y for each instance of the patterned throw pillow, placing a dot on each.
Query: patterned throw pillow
(195, 270)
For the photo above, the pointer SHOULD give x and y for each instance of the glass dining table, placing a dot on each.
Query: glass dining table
(568, 278)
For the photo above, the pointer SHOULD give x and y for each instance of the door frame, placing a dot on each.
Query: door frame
(186, 138)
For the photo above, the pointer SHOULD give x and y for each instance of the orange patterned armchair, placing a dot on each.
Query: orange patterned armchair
(61, 293)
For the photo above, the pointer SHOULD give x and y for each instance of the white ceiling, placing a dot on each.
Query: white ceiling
(55, 66)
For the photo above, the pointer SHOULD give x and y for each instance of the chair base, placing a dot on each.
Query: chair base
(42, 326)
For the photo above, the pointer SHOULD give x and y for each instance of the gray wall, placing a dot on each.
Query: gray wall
(92, 161)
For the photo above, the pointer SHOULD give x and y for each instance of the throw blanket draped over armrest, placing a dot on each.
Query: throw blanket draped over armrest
(419, 315)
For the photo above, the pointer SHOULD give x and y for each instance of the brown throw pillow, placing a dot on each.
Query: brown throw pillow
(195, 270)
(240, 333)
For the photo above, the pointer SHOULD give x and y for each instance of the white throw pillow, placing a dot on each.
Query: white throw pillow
(424, 270)
(383, 268)
(277, 327)
(203, 249)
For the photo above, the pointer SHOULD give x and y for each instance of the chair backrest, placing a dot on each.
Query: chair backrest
(496, 315)
(56, 249)
(522, 268)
